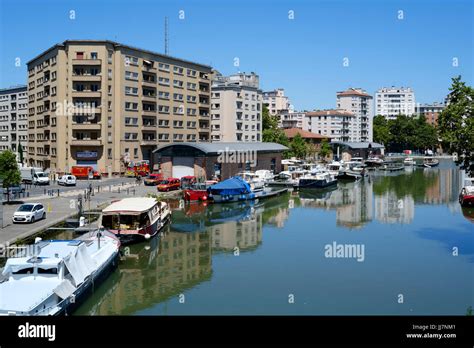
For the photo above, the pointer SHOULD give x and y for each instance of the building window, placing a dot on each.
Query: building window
(109, 153)
(79, 55)
(93, 55)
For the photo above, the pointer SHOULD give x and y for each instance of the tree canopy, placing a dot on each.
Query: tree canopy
(9, 171)
(456, 124)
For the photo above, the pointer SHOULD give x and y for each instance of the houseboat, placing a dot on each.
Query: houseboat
(135, 219)
(466, 197)
(53, 277)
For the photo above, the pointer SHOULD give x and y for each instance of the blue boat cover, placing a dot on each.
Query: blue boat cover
(232, 186)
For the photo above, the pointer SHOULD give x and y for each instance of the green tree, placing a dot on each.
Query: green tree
(325, 150)
(9, 171)
(381, 129)
(298, 146)
(456, 124)
(20, 152)
(271, 132)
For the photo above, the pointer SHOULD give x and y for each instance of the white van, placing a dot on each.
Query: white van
(33, 175)
(67, 180)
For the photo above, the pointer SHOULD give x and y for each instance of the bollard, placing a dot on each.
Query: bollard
(128, 191)
(45, 191)
(110, 188)
(134, 192)
(58, 192)
(119, 189)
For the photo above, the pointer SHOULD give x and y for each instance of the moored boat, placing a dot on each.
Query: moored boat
(135, 219)
(409, 161)
(430, 162)
(255, 181)
(198, 191)
(319, 180)
(466, 196)
(372, 162)
(54, 277)
(393, 166)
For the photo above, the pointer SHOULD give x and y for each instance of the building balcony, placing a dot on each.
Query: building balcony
(86, 78)
(149, 98)
(149, 83)
(149, 112)
(87, 126)
(86, 110)
(86, 142)
(86, 94)
(88, 62)
(149, 142)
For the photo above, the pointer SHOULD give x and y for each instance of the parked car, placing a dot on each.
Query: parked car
(14, 189)
(67, 180)
(29, 212)
(169, 184)
(153, 179)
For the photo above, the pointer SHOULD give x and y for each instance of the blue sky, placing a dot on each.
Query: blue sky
(303, 55)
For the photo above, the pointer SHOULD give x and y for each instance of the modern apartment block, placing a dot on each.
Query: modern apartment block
(236, 108)
(393, 101)
(359, 103)
(430, 112)
(291, 119)
(336, 124)
(14, 119)
(276, 101)
(99, 102)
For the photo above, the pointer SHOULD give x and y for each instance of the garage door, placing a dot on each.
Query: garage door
(183, 166)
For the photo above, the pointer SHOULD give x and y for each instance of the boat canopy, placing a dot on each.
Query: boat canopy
(137, 205)
(232, 186)
(18, 264)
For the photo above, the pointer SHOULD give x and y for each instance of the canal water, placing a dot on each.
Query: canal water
(396, 243)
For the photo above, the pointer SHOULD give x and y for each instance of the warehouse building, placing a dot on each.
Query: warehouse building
(216, 160)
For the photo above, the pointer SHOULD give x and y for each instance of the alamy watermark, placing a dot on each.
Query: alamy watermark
(237, 156)
(346, 251)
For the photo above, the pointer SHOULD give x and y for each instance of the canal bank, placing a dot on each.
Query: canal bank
(402, 228)
(65, 206)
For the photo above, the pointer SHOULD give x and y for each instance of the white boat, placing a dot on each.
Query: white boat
(265, 175)
(53, 277)
(373, 162)
(334, 167)
(135, 219)
(351, 171)
(409, 161)
(255, 181)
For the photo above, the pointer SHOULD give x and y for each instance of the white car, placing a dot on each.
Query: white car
(29, 212)
(67, 180)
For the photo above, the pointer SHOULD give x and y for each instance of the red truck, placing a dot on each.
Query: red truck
(82, 172)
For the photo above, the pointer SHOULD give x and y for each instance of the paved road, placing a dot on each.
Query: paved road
(64, 206)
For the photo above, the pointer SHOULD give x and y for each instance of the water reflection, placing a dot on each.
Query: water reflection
(196, 253)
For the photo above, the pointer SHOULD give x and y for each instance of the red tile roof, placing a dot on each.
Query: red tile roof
(291, 133)
(352, 91)
(332, 112)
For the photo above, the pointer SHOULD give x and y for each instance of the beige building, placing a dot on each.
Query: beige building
(14, 119)
(276, 101)
(291, 119)
(98, 102)
(359, 103)
(336, 124)
(236, 108)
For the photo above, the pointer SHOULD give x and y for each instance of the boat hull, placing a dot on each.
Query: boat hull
(85, 289)
(466, 200)
(195, 195)
(349, 176)
(315, 183)
(137, 236)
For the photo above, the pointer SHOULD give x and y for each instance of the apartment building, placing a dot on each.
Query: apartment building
(276, 101)
(430, 112)
(336, 124)
(393, 101)
(13, 119)
(236, 108)
(358, 102)
(291, 119)
(102, 103)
